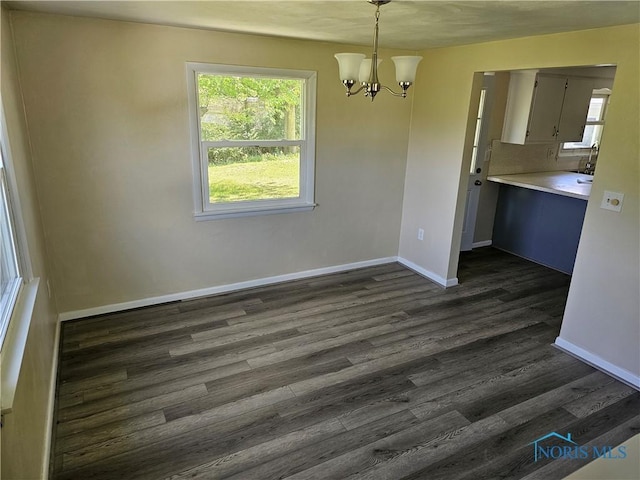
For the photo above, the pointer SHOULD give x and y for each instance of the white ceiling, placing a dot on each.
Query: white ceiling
(403, 23)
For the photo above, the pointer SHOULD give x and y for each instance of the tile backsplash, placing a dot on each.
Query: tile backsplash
(507, 158)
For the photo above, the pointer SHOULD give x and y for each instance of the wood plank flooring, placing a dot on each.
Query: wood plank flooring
(375, 373)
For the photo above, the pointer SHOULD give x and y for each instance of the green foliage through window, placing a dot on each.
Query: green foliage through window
(249, 108)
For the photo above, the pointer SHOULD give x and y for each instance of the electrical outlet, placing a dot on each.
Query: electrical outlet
(550, 153)
(612, 201)
(420, 234)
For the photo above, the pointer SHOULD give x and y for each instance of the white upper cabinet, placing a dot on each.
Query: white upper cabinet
(546, 108)
(575, 109)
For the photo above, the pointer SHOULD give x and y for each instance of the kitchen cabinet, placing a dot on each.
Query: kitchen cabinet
(545, 108)
(575, 108)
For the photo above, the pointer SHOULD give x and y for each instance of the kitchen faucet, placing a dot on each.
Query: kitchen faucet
(590, 166)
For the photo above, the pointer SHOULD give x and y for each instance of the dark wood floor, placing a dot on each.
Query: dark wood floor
(373, 373)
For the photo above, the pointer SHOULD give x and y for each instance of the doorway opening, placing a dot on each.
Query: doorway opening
(533, 140)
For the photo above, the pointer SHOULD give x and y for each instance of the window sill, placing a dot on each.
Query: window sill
(239, 212)
(16, 341)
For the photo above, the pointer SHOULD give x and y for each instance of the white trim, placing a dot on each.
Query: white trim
(484, 243)
(15, 343)
(17, 233)
(600, 363)
(8, 306)
(26, 272)
(145, 302)
(201, 217)
(46, 461)
(444, 282)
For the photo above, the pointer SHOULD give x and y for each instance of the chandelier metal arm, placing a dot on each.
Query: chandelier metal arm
(402, 94)
(348, 84)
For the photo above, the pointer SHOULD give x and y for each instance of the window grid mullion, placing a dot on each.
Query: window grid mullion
(250, 143)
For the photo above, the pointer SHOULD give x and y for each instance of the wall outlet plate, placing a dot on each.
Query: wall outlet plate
(612, 201)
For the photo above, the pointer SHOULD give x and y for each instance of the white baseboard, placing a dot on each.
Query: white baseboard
(484, 243)
(445, 282)
(595, 361)
(145, 302)
(46, 461)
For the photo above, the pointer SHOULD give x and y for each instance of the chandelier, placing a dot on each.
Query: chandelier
(355, 67)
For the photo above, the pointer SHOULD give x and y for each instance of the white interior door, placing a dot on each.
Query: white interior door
(479, 154)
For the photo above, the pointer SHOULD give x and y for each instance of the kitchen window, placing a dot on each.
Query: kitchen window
(593, 127)
(253, 140)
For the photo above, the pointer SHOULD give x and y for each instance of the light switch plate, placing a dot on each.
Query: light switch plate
(612, 201)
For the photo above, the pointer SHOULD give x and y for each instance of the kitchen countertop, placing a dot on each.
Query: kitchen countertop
(558, 183)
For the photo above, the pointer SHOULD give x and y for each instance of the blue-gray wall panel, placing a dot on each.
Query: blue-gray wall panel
(542, 227)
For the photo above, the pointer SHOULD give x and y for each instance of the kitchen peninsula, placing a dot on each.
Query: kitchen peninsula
(539, 216)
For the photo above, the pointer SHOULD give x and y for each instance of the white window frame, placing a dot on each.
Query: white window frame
(13, 234)
(204, 209)
(478, 130)
(16, 325)
(8, 295)
(570, 151)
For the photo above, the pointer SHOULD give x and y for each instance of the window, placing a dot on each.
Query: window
(476, 137)
(18, 287)
(10, 278)
(253, 143)
(593, 127)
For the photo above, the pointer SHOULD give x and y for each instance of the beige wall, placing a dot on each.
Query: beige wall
(603, 308)
(107, 108)
(25, 430)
